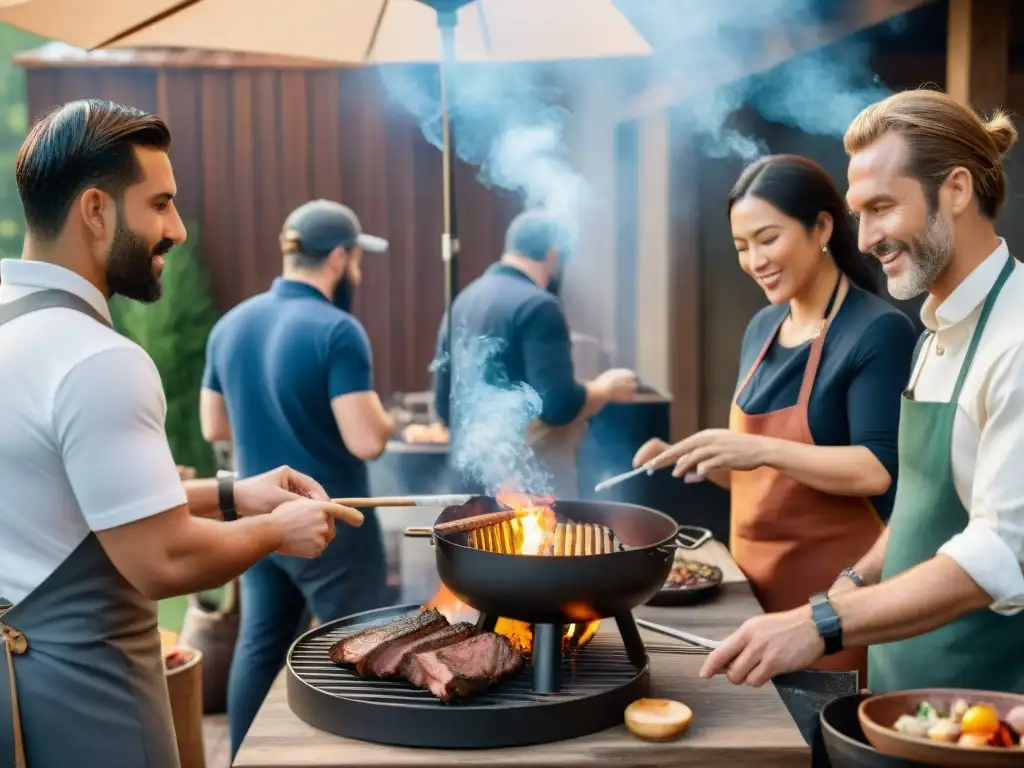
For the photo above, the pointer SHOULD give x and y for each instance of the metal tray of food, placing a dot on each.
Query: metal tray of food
(691, 580)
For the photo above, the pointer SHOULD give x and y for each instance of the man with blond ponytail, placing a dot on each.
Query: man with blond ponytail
(939, 597)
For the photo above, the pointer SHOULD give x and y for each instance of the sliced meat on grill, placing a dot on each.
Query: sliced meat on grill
(354, 648)
(386, 661)
(401, 636)
(465, 668)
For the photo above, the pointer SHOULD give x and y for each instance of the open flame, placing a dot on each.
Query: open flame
(534, 534)
(537, 526)
(519, 633)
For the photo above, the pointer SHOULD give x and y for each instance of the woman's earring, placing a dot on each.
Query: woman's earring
(824, 249)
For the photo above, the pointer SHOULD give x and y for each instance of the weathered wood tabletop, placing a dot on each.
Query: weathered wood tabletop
(732, 727)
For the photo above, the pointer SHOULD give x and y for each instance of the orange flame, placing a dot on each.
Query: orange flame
(538, 525)
(519, 633)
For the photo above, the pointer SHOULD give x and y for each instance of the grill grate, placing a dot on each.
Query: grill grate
(599, 665)
(597, 683)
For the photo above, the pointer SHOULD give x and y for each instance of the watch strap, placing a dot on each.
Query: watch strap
(226, 495)
(853, 576)
(827, 622)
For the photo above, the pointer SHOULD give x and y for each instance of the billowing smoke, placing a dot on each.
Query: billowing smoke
(508, 123)
(489, 446)
(819, 91)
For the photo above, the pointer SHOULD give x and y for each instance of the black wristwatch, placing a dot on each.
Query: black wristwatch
(827, 622)
(226, 495)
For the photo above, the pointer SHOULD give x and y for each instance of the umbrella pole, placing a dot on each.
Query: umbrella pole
(449, 239)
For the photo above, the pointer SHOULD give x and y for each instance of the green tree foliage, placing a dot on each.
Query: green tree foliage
(173, 331)
(14, 121)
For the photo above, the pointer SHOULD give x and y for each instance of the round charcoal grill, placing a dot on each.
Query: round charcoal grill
(597, 683)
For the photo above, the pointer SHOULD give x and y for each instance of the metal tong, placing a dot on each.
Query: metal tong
(647, 469)
(678, 634)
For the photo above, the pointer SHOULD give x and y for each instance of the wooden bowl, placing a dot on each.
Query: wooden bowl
(878, 713)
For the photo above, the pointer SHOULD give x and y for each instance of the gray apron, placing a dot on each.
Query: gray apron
(84, 665)
(557, 449)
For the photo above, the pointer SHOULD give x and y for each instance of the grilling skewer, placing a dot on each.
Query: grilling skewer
(604, 485)
(613, 481)
(481, 521)
(404, 501)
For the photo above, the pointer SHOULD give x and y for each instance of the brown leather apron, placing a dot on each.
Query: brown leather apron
(791, 540)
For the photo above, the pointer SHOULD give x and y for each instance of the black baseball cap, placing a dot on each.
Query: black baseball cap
(318, 227)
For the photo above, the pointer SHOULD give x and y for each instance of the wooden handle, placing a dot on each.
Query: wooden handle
(405, 501)
(376, 501)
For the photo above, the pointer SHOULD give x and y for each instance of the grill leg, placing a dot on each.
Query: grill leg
(632, 640)
(486, 623)
(547, 657)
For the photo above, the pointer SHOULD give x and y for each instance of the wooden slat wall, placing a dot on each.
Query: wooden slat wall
(251, 143)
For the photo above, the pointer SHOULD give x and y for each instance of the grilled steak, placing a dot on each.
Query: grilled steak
(467, 667)
(354, 648)
(406, 635)
(387, 660)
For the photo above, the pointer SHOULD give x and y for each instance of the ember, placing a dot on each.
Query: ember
(519, 633)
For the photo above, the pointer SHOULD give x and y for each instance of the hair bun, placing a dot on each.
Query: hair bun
(1002, 131)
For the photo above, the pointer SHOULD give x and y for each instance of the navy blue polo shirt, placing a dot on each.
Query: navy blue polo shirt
(506, 304)
(278, 359)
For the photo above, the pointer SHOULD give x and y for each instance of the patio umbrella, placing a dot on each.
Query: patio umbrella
(350, 32)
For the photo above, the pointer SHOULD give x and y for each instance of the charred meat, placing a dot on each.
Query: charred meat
(467, 667)
(354, 649)
(387, 660)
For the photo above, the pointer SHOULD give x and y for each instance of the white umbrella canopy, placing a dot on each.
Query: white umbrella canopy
(345, 31)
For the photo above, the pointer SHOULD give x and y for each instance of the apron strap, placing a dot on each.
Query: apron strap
(15, 643)
(760, 357)
(817, 345)
(986, 310)
(47, 299)
(813, 358)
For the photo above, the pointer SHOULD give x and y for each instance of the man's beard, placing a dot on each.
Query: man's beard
(556, 279)
(130, 265)
(927, 256)
(343, 294)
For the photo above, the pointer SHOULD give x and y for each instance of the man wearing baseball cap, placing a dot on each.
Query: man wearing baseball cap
(289, 374)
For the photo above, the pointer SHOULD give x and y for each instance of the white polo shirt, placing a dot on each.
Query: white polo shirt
(82, 442)
(988, 430)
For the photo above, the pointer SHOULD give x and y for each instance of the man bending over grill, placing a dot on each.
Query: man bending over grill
(516, 302)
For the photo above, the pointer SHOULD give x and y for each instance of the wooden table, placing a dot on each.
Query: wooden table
(732, 727)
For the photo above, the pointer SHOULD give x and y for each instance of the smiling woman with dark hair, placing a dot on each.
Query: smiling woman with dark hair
(810, 452)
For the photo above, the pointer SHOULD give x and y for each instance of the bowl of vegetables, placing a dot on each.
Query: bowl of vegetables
(948, 727)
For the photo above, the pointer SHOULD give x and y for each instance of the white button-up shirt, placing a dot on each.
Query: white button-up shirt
(988, 429)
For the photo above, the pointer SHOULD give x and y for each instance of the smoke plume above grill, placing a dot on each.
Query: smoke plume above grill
(489, 445)
(507, 122)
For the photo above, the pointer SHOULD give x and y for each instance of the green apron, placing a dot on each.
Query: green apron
(982, 650)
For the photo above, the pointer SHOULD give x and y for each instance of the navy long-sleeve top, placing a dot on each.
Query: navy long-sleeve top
(505, 306)
(865, 366)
